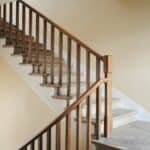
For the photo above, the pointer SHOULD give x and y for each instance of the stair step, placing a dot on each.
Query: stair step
(34, 52)
(116, 103)
(13, 33)
(42, 62)
(13, 39)
(62, 97)
(51, 85)
(64, 79)
(56, 72)
(73, 84)
(120, 117)
(19, 54)
(26, 41)
(40, 68)
(42, 53)
(8, 46)
(38, 74)
(48, 72)
(19, 37)
(7, 28)
(74, 87)
(34, 45)
(33, 49)
(105, 143)
(48, 61)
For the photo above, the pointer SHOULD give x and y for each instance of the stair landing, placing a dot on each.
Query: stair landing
(134, 136)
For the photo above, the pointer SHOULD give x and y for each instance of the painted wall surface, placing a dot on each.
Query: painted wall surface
(117, 27)
(22, 113)
(6, 1)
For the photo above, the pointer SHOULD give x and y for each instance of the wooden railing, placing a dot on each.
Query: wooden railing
(66, 117)
(25, 21)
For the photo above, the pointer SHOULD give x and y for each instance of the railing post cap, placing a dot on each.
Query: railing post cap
(108, 63)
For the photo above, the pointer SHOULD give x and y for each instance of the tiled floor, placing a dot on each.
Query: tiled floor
(135, 136)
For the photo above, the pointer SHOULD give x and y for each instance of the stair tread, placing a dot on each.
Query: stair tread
(41, 54)
(104, 143)
(63, 84)
(18, 46)
(114, 100)
(56, 72)
(116, 114)
(55, 85)
(62, 97)
(38, 74)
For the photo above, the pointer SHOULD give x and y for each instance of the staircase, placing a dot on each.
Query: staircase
(85, 86)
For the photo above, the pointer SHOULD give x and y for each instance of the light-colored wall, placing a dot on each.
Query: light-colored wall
(117, 27)
(22, 113)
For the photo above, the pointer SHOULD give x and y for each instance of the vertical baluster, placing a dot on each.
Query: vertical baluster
(37, 37)
(0, 20)
(61, 59)
(52, 49)
(98, 101)
(40, 143)
(48, 139)
(30, 35)
(23, 33)
(78, 60)
(69, 68)
(78, 128)
(4, 19)
(108, 97)
(25, 148)
(45, 44)
(17, 21)
(0, 11)
(68, 133)
(10, 21)
(88, 124)
(4, 12)
(32, 146)
(88, 68)
(58, 136)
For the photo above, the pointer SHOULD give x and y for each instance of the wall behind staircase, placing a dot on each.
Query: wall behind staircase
(22, 113)
(118, 27)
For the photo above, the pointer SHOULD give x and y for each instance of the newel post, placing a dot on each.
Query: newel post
(108, 96)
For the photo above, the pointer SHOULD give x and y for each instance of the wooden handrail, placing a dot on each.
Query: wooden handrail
(96, 53)
(70, 108)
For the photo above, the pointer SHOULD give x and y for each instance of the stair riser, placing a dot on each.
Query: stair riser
(13, 39)
(34, 51)
(48, 68)
(48, 60)
(123, 120)
(64, 78)
(115, 105)
(82, 89)
(26, 46)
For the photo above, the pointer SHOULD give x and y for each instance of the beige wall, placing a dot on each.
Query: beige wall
(22, 113)
(118, 27)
